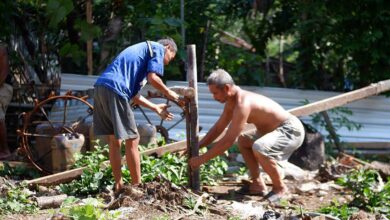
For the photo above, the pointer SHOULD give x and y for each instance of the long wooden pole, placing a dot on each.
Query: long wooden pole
(325, 104)
(193, 115)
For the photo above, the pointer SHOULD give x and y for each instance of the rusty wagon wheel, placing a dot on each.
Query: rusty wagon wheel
(169, 130)
(69, 117)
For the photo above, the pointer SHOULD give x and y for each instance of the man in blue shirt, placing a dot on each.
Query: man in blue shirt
(120, 84)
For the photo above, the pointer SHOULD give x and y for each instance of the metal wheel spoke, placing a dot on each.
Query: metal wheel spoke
(65, 110)
(175, 124)
(143, 113)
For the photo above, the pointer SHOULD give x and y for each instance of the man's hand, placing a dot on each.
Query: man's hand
(195, 162)
(162, 111)
(172, 95)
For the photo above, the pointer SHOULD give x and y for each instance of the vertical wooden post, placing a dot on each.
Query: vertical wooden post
(192, 117)
(89, 42)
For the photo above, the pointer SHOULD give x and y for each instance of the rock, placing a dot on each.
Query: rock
(311, 154)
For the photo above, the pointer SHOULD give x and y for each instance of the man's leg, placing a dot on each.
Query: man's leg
(115, 160)
(270, 166)
(245, 146)
(133, 160)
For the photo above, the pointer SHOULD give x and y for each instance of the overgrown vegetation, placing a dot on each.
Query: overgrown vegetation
(18, 172)
(16, 200)
(88, 209)
(369, 193)
(95, 177)
(49, 36)
(170, 166)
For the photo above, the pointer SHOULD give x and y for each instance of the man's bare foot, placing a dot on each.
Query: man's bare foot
(258, 187)
(253, 188)
(118, 186)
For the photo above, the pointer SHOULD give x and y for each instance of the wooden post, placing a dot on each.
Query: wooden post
(89, 41)
(192, 117)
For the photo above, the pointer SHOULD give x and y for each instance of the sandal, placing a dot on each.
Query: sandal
(244, 190)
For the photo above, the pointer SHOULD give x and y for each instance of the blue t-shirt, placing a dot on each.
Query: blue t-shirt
(129, 69)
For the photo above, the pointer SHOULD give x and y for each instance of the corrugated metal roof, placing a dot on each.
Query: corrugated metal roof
(373, 113)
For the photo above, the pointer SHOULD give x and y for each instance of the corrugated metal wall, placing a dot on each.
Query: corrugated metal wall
(372, 113)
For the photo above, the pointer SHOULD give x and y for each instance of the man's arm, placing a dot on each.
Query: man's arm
(218, 127)
(157, 83)
(241, 114)
(160, 109)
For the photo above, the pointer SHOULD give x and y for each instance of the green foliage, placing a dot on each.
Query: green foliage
(369, 193)
(57, 10)
(368, 190)
(94, 157)
(17, 200)
(18, 172)
(322, 55)
(95, 177)
(90, 209)
(174, 168)
(169, 166)
(189, 202)
(213, 170)
(340, 211)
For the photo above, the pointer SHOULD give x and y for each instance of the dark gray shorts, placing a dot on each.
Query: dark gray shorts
(112, 115)
(281, 142)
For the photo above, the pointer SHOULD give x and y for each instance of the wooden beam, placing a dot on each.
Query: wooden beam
(369, 145)
(57, 178)
(329, 103)
(187, 92)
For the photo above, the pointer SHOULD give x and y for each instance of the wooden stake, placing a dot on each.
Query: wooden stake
(192, 117)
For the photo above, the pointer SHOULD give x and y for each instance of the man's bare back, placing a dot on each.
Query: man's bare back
(263, 112)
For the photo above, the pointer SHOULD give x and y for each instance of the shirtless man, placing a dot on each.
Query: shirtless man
(278, 133)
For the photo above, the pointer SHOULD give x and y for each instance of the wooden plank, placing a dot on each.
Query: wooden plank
(369, 145)
(57, 178)
(187, 92)
(329, 103)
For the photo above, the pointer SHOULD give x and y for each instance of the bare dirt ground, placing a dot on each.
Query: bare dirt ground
(162, 200)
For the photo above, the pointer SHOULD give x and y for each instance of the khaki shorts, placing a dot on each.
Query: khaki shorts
(5, 99)
(113, 115)
(281, 142)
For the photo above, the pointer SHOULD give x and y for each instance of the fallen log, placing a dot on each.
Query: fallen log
(47, 202)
